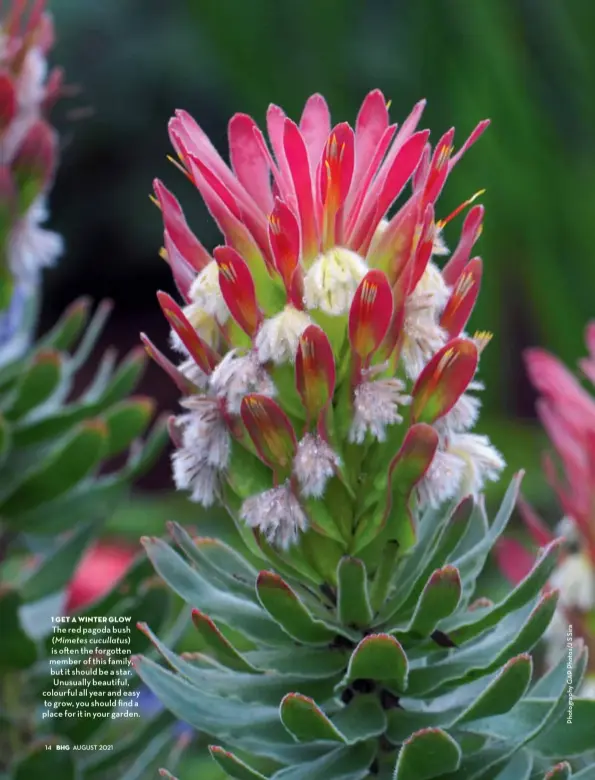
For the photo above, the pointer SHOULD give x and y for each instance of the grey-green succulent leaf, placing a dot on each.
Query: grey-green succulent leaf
(380, 671)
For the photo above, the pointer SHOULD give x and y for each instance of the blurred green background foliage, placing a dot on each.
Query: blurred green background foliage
(529, 65)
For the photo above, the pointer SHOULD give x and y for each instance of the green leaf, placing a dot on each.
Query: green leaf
(382, 581)
(308, 662)
(5, 440)
(304, 720)
(345, 763)
(361, 719)
(518, 633)
(427, 754)
(233, 765)
(402, 722)
(584, 774)
(549, 684)
(6, 280)
(221, 605)
(126, 378)
(483, 698)
(371, 528)
(53, 425)
(471, 563)
(39, 381)
(471, 624)
(92, 334)
(353, 601)
(101, 378)
(510, 732)
(255, 688)
(56, 569)
(322, 520)
(17, 650)
(45, 760)
(217, 561)
(411, 567)
(125, 422)
(519, 768)
(500, 696)
(151, 753)
(128, 746)
(248, 475)
(256, 729)
(60, 472)
(439, 599)
(476, 530)
(563, 739)
(91, 498)
(289, 612)
(437, 552)
(217, 646)
(293, 562)
(69, 327)
(146, 456)
(381, 658)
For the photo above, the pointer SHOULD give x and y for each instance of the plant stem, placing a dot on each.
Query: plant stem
(10, 691)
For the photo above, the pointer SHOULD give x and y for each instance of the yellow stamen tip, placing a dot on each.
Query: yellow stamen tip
(482, 338)
(178, 165)
(477, 195)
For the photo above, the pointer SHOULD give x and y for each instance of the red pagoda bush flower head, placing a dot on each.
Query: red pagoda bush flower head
(324, 349)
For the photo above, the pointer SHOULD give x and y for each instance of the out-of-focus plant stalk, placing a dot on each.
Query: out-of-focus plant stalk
(567, 413)
(28, 157)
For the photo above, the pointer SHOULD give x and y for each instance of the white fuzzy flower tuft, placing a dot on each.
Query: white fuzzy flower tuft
(463, 415)
(237, 375)
(378, 233)
(314, 464)
(278, 338)
(195, 474)
(575, 579)
(30, 88)
(569, 530)
(206, 293)
(331, 282)
(423, 334)
(194, 373)
(203, 323)
(205, 449)
(277, 514)
(482, 460)
(439, 247)
(376, 405)
(31, 247)
(433, 288)
(442, 481)
(31, 83)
